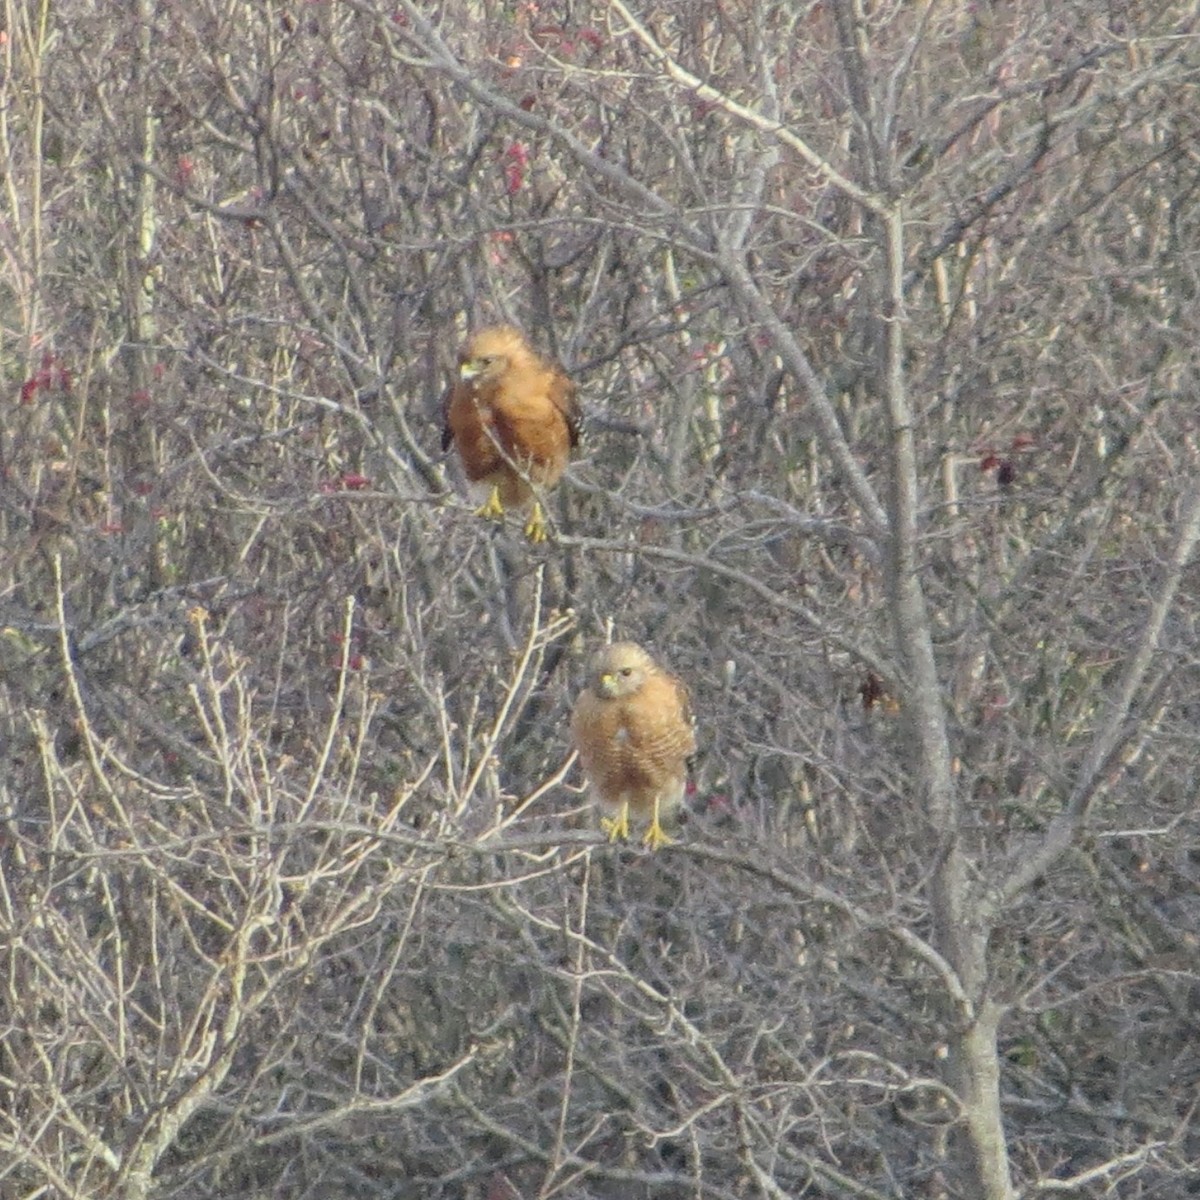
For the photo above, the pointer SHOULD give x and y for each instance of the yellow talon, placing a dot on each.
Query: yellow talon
(535, 527)
(617, 827)
(655, 838)
(492, 510)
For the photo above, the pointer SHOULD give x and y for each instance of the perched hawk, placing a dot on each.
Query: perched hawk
(632, 726)
(513, 417)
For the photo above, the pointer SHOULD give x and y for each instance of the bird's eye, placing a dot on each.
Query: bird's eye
(626, 671)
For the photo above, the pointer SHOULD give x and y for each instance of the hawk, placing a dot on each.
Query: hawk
(632, 726)
(513, 417)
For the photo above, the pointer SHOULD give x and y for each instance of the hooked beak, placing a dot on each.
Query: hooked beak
(470, 369)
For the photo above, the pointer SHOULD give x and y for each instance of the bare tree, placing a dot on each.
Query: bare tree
(884, 319)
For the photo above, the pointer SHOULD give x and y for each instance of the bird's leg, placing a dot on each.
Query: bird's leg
(491, 509)
(535, 527)
(617, 827)
(655, 836)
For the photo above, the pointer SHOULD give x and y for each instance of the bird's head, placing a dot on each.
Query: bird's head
(619, 670)
(490, 352)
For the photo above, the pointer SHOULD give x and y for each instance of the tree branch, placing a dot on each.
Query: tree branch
(1026, 866)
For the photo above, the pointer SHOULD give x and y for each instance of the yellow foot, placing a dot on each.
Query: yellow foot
(492, 510)
(535, 527)
(617, 827)
(655, 838)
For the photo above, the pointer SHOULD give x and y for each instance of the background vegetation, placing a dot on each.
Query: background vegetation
(885, 320)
